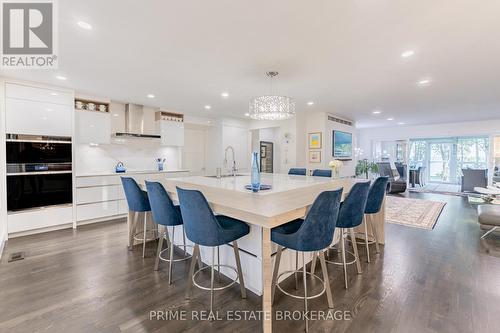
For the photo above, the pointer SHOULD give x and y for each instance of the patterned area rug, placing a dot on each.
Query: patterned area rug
(416, 213)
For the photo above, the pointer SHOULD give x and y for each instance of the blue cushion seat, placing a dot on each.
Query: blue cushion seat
(163, 209)
(352, 209)
(297, 171)
(376, 195)
(322, 173)
(315, 232)
(137, 199)
(202, 226)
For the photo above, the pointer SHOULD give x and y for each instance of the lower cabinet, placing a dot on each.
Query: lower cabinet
(39, 218)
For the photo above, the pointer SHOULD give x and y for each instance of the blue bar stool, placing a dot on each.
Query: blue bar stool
(314, 233)
(138, 202)
(376, 197)
(206, 229)
(351, 215)
(165, 213)
(297, 171)
(322, 173)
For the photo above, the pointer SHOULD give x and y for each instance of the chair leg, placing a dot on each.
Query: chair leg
(489, 232)
(304, 276)
(218, 264)
(296, 268)
(326, 278)
(144, 238)
(171, 256)
(133, 223)
(313, 263)
(344, 265)
(275, 272)
(356, 253)
(160, 246)
(196, 253)
(375, 235)
(365, 222)
(238, 267)
(184, 240)
(212, 282)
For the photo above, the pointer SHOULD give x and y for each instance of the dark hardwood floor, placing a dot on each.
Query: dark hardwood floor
(444, 280)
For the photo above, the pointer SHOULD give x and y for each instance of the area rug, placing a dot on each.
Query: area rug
(417, 213)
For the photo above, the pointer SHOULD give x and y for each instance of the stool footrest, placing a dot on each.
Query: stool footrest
(218, 288)
(296, 296)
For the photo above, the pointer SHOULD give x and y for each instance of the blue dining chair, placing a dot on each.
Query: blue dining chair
(312, 234)
(322, 173)
(166, 214)
(351, 213)
(204, 228)
(138, 202)
(297, 171)
(376, 196)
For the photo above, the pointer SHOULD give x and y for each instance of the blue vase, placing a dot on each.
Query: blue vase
(255, 177)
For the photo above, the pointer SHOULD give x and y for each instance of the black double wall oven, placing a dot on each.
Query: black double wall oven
(39, 171)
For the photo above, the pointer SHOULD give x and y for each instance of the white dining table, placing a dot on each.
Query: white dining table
(288, 199)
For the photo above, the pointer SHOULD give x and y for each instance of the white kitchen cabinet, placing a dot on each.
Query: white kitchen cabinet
(93, 127)
(96, 210)
(36, 94)
(37, 118)
(172, 132)
(87, 195)
(39, 218)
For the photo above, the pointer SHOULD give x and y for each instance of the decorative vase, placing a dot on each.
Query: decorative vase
(255, 176)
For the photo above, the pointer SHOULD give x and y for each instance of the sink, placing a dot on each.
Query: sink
(226, 176)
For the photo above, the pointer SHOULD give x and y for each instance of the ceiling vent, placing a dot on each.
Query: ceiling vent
(340, 121)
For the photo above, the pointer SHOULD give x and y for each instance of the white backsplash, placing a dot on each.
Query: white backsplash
(135, 155)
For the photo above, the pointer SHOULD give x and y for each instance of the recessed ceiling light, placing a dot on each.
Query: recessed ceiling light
(84, 25)
(310, 103)
(407, 54)
(60, 77)
(390, 119)
(151, 96)
(115, 114)
(424, 82)
(247, 114)
(207, 107)
(376, 112)
(401, 123)
(54, 93)
(225, 94)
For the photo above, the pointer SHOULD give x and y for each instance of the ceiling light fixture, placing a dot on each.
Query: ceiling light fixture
(151, 96)
(310, 103)
(225, 94)
(376, 112)
(401, 123)
(207, 107)
(84, 25)
(60, 77)
(407, 54)
(272, 107)
(424, 82)
(247, 114)
(390, 119)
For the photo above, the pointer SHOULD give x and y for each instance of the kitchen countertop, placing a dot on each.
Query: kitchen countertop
(129, 172)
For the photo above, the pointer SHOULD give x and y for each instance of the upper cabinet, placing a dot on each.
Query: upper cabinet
(171, 128)
(93, 127)
(38, 111)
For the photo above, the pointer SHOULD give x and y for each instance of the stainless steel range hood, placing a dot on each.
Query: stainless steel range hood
(135, 123)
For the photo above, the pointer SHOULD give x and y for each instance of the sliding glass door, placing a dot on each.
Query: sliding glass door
(444, 158)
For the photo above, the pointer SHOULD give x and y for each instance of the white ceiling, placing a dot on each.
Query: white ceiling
(343, 55)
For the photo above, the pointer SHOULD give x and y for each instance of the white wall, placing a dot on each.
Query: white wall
(3, 181)
(318, 122)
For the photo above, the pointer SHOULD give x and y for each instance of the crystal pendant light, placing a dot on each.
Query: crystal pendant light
(272, 107)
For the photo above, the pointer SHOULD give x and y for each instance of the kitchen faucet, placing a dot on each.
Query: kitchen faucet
(233, 169)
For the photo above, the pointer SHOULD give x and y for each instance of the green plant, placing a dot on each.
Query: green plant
(364, 167)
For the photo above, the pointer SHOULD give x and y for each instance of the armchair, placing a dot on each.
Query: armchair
(473, 178)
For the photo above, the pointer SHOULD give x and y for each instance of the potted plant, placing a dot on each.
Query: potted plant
(364, 168)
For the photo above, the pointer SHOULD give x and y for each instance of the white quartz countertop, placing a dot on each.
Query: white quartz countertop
(128, 172)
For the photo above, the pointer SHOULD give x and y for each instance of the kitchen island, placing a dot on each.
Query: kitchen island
(289, 199)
